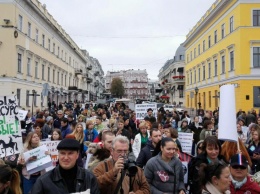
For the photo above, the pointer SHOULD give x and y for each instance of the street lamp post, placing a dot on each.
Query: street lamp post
(196, 93)
(34, 95)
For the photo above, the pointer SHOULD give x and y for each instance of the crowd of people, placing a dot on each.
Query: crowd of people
(105, 149)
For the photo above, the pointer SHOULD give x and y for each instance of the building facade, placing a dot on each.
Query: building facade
(224, 48)
(172, 78)
(153, 90)
(39, 55)
(135, 83)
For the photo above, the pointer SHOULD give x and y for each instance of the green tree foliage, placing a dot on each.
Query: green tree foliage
(117, 88)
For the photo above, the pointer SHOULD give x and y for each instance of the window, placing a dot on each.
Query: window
(35, 99)
(256, 57)
(20, 24)
(199, 75)
(231, 56)
(256, 18)
(29, 29)
(187, 57)
(19, 63)
(43, 67)
(27, 97)
(36, 35)
(215, 36)
(209, 43)
(199, 49)
(58, 78)
(65, 80)
(69, 60)
(28, 66)
(65, 57)
(209, 69)
(69, 80)
(36, 69)
(181, 57)
(49, 73)
(204, 45)
(191, 55)
(216, 67)
(209, 98)
(222, 31)
(53, 76)
(53, 48)
(190, 77)
(195, 78)
(223, 64)
(231, 24)
(61, 54)
(49, 44)
(62, 79)
(204, 73)
(194, 52)
(43, 40)
(18, 95)
(58, 51)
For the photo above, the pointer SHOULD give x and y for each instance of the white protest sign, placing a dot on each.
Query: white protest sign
(52, 148)
(87, 161)
(186, 141)
(10, 128)
(141, 110)
(22, 114)
(227, 127)
(42, 161)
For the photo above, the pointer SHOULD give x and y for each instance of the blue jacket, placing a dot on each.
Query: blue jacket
(93, 135)
(65, 131)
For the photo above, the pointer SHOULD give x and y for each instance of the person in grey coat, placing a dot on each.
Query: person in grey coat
(164, 172)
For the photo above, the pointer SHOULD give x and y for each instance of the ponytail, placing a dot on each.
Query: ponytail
(15, 182)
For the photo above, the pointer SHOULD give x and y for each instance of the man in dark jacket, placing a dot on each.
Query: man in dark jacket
(67, 177)
(147, 152)
(56, 122)
(65, 128)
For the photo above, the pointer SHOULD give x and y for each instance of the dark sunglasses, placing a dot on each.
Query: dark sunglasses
(238, 167)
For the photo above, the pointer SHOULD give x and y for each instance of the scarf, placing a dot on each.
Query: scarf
(90, 135)
(212, 189)
(238, 184)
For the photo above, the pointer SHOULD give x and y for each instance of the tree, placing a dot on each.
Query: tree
(117, 89)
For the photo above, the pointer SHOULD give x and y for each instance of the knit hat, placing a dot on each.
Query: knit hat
(68, 144)
(49, 118)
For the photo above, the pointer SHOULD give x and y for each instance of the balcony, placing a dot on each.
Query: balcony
(179, 78)
(89, 67)
(89, 80)
(72, 88)
(96, 73)
(96, 84)
(84, 75)
(78, 72)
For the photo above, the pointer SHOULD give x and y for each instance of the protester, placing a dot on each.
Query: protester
(56, 135)
(99, 126)
(67, 177)
(90, 133)
(215, 178)
(150, 116)
(211, 150)
(240, 181)
(57, 121)
(48, 126)
(140, 139)
(173, 133)
(121, 130)
(108, 172)
(38, 129)
(32, 141)
(207, 129)
(65, 128)
(107, 139)
(164, 172)
(9, 180)
(254, 151)
(147, 152)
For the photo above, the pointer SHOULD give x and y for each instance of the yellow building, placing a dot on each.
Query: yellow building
(35, 50)
(224, 48)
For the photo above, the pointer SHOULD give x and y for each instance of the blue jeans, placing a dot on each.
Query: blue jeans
(28, 184)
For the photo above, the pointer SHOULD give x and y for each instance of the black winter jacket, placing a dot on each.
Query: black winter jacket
(145, 154)
(53, 183)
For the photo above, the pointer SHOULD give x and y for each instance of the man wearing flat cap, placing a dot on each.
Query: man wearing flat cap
(240, 181)
(67, 177)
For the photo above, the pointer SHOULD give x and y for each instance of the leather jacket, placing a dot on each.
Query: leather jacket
(53, 183)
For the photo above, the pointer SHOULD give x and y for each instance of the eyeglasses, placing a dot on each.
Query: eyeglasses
(121, 151)
(238, 167)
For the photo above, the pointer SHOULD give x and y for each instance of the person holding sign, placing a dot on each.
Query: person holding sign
(32, 141)
(67, 177)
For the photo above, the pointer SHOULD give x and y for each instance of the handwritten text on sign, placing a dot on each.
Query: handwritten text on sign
(186, 141)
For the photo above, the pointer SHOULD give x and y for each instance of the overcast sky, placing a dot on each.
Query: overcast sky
(128, 34)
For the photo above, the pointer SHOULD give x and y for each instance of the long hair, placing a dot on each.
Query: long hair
(79, 136)
(230, 148)
(12, 175)
(28, 141)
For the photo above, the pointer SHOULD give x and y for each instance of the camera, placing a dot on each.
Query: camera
(130, 165)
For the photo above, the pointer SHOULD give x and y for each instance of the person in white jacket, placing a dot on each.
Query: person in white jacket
(140, 139)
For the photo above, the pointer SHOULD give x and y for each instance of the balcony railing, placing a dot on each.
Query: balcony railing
(178, 77)
(89, 80)
(89, 67)
(84, 75)
(78, 71)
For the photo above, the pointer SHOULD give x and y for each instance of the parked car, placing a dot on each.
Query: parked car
(179, 111)
(168, 107)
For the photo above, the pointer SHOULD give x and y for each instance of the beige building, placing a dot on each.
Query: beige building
(36, 50)
(172, 78)
(135, 82)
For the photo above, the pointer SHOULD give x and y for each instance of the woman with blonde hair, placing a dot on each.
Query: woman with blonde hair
(32, 141)
(9, 180)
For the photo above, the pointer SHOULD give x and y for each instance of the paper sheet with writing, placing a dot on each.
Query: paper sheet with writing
(43, 161)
